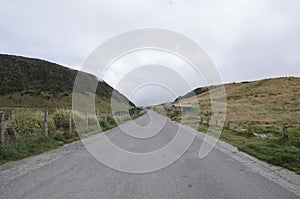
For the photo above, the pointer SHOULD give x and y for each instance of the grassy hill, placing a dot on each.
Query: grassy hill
(27, 82)
(266, 106)
(268, 101)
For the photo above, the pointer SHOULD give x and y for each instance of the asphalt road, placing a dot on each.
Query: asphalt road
(77, 174)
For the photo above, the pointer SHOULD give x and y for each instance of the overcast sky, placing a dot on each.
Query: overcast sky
(246, 40)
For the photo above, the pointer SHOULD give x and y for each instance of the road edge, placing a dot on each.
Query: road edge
(281, 176)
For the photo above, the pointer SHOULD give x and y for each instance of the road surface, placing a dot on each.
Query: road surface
(71, 172)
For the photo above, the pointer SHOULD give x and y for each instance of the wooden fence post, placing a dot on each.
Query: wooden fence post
(12, 115)
(2, 128)
(285, 133)
(46, 123)
(97, 115)
(12, 133)
(87, 120)
(249, 128)
(70, 123)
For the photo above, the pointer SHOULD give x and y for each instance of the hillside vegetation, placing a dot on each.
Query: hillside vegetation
(268, 101)
(27, 82)
(256, 114)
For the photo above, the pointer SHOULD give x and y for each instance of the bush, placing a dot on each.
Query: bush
(30, 124)
(61, 119)
(111, 120)
(104, 125)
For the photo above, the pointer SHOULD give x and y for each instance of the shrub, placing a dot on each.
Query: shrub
(30, 123)
(111, 120)
(104, 125)
(61, 119)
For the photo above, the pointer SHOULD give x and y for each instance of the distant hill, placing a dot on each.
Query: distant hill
(28, 82)
(265, 101)
(197, 91)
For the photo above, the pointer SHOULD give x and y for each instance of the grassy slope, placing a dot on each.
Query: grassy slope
(27, 82)
(268, 105)
(269, 101)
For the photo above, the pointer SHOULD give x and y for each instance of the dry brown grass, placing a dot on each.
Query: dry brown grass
(269, 101)
(269, 105)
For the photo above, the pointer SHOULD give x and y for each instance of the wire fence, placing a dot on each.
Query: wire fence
(16, 124)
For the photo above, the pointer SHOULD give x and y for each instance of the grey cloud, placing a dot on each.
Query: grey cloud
(246, 40)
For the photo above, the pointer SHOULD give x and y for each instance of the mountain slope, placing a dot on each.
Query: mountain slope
(27, 82)
(265, 101)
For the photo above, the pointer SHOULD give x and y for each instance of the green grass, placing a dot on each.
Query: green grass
(33, 145)
(275, 150)
(15, 150)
